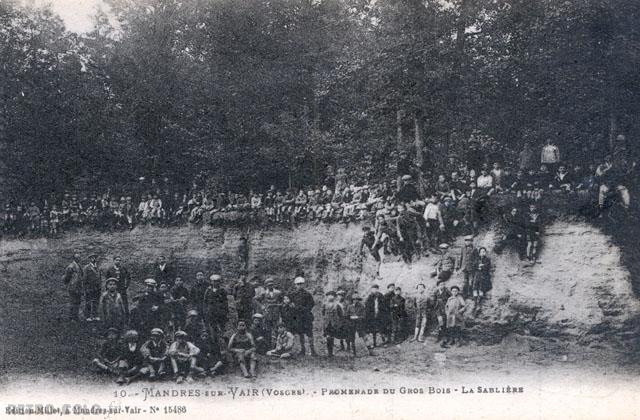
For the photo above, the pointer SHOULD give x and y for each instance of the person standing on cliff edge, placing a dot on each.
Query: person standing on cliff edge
(73, 278)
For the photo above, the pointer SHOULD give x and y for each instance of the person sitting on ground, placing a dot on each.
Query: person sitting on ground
(445, 265)
(154, 352)
(210, 359)
(613, 176)
(109, 356)
(284, 343)
(131, 359)
(562, 180)
(182, 354)
(243, 348)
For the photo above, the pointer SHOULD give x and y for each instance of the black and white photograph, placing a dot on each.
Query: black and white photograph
(322, 209)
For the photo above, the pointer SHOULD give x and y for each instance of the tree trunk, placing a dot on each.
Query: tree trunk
(419, 143)
(399, 115)
(613, 129)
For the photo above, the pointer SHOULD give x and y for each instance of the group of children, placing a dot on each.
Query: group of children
(450, 204)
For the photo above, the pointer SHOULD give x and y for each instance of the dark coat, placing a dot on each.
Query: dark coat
(92, 279)
(216, 306)
(168, 275)
(121, 274)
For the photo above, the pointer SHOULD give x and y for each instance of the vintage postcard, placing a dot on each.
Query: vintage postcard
(322, 209)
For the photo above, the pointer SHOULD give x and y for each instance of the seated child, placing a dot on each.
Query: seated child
(210, 358)
(243, 348)
(183, 358)
(154, 351)
(131, 359)
(109, 356)
(284, 343)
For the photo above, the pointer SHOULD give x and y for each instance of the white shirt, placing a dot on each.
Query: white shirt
(431, 212)
(485, 181)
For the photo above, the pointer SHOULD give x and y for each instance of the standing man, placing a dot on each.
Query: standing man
(163, 272)
(73, 278)
(119, 272)
(216, 306)
(550, 155)
(243, 294)
(466, 263)
(196, 298)
(271, 299)
(304, 301)
(375, 313)
(92, 289)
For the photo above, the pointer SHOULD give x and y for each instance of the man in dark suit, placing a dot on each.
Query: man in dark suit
(73, 278)
(163, 272)
(216, 305)
(92, 288)
(118, 271)
(376, 313)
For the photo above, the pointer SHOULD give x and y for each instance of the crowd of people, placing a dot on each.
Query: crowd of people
(459, 188)
(184, 330)
(188, 330)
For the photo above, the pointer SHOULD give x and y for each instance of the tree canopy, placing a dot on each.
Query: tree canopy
(254, 93)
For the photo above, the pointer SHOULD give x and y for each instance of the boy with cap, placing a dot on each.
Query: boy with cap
(422, 306)
(107, 360)
(131, 359)
(303, 300)
(210, 358)
(92, 288)
(355, 316)
(196, 298)
(111, 307)
(466, 263)
(216, 306)
(284, 343)
(332, 316)
(146, 314)
(194, 325)
(445, 265)
(440, 298)
(183, 357)
(120, 273)
(455, 317)
(398, 315)
(154, 352)
(243, 348)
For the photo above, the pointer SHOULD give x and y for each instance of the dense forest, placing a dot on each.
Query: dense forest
(249, 93)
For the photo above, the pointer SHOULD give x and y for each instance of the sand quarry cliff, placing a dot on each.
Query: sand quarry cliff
(576, 306)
